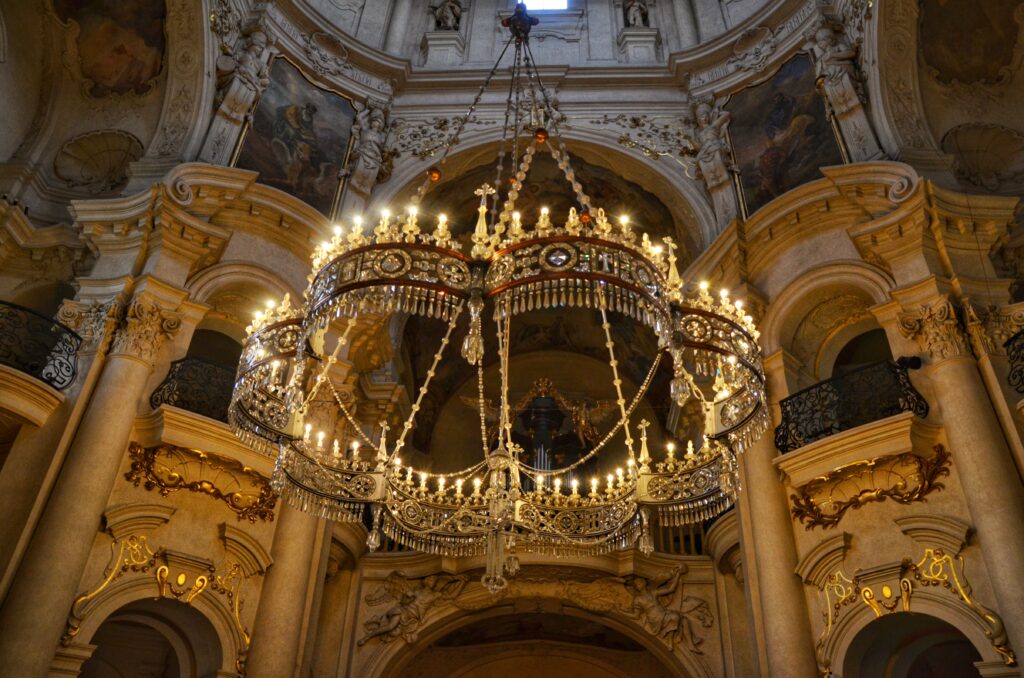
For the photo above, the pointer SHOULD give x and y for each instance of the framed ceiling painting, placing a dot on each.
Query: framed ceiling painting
(781, 134)
(120, 43)
(298, 138)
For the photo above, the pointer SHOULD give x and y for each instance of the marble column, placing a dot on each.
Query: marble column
(981, 457)
(333, 613)
(277, 632)
(789, 643)
(37, 606)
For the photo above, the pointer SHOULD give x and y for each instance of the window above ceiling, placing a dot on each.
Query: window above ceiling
(535, 5)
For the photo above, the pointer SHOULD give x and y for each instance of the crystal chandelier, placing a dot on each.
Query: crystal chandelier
(502, 505)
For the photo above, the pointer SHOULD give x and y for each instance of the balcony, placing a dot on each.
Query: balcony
(1015, 354)
(861, 396)
(38, 346)
(198, 386)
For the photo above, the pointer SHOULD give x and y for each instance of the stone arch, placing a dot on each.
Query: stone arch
(158, 624)
(232, 289)
(683, 197)
(397, 655)
(818, 312)
(938, 604)
(230, 637)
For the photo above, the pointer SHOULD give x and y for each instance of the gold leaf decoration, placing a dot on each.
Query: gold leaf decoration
(903, 478)
(168, 468)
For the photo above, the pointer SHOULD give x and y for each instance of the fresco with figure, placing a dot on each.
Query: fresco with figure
(781, 134)
(299, 137)
(120, 42)
(969, 42)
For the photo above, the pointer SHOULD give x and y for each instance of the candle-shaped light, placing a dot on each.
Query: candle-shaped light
(458, 487)
(671, 450)
(336, 448)
(440, 485)
(620, 475)
(558, 486)
(320, 440)
(355, 449)
(476, 487)
(593, 486)
(611, 482)
(575, 487)
(307, 431)
(408, 475)
(539, 482)
(398, 463)
(689, 451)
(423, 482)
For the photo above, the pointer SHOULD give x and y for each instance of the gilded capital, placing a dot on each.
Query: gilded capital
(145, 328)
(937, 329)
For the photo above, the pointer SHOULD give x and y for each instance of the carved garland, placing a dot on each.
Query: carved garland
(168, 468)
(904, 478)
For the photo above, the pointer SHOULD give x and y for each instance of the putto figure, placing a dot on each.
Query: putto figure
(413, 599)
(447, 15)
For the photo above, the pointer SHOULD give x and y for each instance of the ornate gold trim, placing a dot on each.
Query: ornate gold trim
(168, 468)
(904, 478)
(836, 592)
(938, 568)
(131, 554)
(184, 594)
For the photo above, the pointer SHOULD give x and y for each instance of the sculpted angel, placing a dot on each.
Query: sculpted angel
(447, 15)
(412, 600)
(369, 135)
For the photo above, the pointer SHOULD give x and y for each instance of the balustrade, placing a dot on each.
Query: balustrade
(198, 386)
(38, 346)
(1015, 354)
(863, 395)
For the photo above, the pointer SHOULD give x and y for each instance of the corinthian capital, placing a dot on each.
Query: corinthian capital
(92, 321)
(937, 329)
(145, 329)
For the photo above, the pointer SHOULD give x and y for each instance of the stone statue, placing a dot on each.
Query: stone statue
(243, 72)
(413, 599)
(843, 88)
(655, 605)
(447, 15)
(711, 122)
(834, 59)
(369, 156)
(636, 13)
(246, 65)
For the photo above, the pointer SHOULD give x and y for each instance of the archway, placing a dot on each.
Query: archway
(542, 641)
(154, 638)
(910, 645)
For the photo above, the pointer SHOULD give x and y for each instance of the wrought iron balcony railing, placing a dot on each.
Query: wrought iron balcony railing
(1015, 354)
(39, 346)
(867, 394)
(198, 386)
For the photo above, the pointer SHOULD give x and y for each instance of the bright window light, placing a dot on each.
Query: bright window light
(547, 4)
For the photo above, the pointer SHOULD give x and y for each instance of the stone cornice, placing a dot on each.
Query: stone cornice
(891, 436)
(172, 426)
(27, 397)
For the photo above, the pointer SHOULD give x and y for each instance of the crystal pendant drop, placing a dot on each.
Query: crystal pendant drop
(679, 391)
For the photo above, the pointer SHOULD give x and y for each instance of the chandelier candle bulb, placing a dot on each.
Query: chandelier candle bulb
(593, 487)
(476, 487)
(558, 486)
(336, 448)
(307, 432)
(575, 487)
(458, 487)
(671, 451)
(408, 476)
(423, 481)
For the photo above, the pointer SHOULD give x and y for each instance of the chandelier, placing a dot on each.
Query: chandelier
(502, 505)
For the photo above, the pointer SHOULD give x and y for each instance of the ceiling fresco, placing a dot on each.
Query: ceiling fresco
(970, 41)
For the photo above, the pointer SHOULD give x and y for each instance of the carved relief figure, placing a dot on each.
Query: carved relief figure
(835, 68)
(243, 73)
(299, 137)
(369, 156)
(636, 13)
(447, 15)
(655, 604)
(120, 42)
(413, 598)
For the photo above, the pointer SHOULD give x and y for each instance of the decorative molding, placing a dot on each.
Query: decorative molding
(948, 532)
(26, 397)
(938, 568)
(168, 468)
(660, 605)
(904, 478)
(247, 551)
(824, 560)
(937, 330)
(990, 328)
(836, 593)
(145, 329)
(124, 520)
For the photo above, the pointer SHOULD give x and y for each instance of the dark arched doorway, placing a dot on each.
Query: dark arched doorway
(147, 638)
(910, 645)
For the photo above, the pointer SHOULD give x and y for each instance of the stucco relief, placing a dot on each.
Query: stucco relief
(97, 161)
(661, 606)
